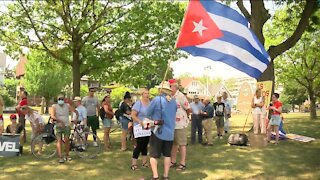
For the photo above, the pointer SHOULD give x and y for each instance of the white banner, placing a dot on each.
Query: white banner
(9, 145)
(138, 131)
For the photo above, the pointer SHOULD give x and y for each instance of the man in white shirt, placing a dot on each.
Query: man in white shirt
(182, 121)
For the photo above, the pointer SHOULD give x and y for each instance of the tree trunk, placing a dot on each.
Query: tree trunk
(47, 105)
(299, 108)
(292, 107)
(313, 109)
(76, 73)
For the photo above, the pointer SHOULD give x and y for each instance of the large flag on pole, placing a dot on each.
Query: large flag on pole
(218, 32)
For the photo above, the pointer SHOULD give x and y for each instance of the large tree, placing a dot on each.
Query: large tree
(45, 76)
(260, 15)
(122, 41)
(301, 64)
(293, 92)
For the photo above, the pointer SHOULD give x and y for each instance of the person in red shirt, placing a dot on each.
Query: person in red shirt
(22, 120)
(275, 120)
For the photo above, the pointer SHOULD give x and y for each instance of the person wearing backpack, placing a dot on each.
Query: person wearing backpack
(106, 115)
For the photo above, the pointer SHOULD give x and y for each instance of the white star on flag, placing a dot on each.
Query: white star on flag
(198, 27)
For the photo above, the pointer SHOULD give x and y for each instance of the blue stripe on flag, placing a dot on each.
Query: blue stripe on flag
(244, 44)
(225, 58)
(263, 50)
(225, 11)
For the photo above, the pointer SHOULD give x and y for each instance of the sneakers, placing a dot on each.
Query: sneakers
(221, 137)
(95, 144)
(61, 161)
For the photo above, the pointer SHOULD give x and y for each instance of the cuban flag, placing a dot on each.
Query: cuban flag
(218, 32)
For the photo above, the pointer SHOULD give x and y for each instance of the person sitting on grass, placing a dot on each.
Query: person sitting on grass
(274, 123)
(219, 109)
(15, 128)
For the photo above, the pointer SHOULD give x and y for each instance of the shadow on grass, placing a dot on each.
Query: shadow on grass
(288, 160)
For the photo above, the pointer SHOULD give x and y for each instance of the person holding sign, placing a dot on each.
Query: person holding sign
(258, 113)
(142, 136)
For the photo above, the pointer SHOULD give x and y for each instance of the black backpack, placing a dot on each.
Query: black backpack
(102, 113)
(117, 114)
(49, 130)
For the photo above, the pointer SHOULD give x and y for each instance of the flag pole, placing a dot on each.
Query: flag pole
(175, 45)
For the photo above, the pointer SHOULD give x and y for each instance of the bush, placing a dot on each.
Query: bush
(8, 100)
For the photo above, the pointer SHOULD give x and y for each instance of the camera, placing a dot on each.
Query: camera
(270, 104)
(158, 122)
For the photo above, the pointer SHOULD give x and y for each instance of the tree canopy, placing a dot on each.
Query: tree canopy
(118, 41)
(45, 76)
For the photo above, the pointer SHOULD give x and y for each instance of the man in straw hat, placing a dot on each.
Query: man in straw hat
(182, 121)
(162, 108)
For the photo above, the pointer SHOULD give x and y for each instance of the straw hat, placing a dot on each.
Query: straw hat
(164, 85)
(77, 98)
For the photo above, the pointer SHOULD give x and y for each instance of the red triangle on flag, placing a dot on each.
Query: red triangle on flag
(197, 27)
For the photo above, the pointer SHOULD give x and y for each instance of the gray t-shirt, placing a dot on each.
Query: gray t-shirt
(90, 103)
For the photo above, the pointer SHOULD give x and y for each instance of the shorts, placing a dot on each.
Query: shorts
(93, 122)
(275, 120)
(219, 121)
(159, 146)
(124, 123)
(180, 137)
(62, 131)
(106, 123)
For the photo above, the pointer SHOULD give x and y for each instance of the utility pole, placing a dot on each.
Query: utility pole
(206, 68)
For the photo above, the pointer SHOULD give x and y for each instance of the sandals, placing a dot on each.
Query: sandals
(134, 167)
(145, 165)
(172, 165)
(181, 167)
(157, 178)
(165, 178)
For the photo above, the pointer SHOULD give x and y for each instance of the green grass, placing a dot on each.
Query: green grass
(288, 160)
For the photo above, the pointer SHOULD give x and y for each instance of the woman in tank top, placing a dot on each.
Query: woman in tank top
(60, 114)
(258, 113)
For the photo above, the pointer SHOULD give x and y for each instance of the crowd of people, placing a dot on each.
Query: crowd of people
(161, 122)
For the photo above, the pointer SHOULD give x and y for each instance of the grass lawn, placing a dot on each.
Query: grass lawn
(288, 160)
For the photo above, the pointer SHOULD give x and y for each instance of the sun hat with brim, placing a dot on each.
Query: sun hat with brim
(77, 98)
(164, 85)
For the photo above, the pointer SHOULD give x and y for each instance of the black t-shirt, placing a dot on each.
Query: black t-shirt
(125, 108)
(219, 108)
(19, 129)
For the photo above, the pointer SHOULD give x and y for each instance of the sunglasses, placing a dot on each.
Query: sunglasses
(13, 118)
(61, 99)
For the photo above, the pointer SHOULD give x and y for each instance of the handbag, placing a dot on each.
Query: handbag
(49, 131)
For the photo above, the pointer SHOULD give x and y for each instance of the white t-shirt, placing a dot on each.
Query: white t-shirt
(33, 117)
(182, 119)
